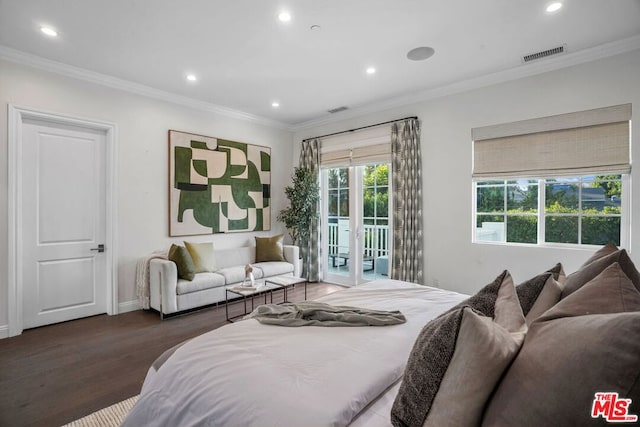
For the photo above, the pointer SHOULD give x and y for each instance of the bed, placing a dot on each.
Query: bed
(555, 349)
(250, 374)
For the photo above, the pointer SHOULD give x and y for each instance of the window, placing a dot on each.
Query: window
(583, 210)
(582, 164)
(507, 211)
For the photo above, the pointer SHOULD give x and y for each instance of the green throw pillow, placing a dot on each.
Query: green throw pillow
(180, 255)
(203, 256)
(269, 248)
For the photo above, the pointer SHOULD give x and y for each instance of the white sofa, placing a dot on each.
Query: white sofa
(169, 294)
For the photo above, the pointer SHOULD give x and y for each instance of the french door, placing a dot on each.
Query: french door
(356, 223)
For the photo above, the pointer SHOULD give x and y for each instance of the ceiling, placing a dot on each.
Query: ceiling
(245, 58)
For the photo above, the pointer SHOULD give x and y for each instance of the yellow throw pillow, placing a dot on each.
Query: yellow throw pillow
(204, 258)
(269, 248)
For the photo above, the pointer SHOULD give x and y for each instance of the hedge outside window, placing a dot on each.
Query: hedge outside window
(575, 210)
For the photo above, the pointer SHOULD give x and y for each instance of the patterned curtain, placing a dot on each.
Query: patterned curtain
(406, 165)
(310, 250)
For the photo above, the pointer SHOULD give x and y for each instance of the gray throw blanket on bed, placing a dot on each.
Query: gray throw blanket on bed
(311, 313)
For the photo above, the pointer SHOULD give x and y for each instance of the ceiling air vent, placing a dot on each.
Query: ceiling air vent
(544, 54)
(337, 110)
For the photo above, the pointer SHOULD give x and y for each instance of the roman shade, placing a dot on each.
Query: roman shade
(581, 143)
(360, 147)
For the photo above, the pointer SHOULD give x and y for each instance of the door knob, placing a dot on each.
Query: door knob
(100, 248)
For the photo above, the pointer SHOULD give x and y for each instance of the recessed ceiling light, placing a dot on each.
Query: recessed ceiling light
(420, 53)
(371, 70)
(284, 16)
(554, 7)
(275, 104)
(49, 31)
(192, 77)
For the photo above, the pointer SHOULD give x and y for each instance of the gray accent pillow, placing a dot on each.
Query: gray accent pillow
(444, 357)
(587, 343)
(607, 249)
(593, 267)
(529, 291)
(428, 362)
(484, 350)
(484, 301)
(558, 272)
(547, 298)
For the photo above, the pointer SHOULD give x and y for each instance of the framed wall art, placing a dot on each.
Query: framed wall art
(217, 186)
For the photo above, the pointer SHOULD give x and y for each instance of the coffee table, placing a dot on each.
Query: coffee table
(262, 288)
(287, 282)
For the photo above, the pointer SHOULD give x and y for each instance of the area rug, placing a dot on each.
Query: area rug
(111, 416)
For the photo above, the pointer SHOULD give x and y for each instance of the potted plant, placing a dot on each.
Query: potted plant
(303, 197)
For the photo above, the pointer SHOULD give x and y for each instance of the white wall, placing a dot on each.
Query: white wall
(142, 215)
(449, 256)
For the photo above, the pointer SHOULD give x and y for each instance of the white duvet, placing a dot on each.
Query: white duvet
(249, 374)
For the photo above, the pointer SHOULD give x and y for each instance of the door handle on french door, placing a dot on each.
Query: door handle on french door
(100, 248)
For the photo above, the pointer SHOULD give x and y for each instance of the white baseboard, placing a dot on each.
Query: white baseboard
(125, 307)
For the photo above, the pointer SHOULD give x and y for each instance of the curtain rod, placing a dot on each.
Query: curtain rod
(360, 128)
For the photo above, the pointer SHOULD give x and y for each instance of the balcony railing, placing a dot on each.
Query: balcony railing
(376, 239)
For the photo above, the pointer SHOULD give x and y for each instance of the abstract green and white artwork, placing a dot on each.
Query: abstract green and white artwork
(217, 186)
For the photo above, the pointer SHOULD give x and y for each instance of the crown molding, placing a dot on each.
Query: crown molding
(521, 71)
(524, 70)
(66, 70)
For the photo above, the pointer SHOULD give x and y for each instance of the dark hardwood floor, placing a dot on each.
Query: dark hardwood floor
(55, 374)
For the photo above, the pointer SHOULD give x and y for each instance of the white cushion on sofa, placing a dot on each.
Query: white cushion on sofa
(273, 268)
(236, 274)
(233, 257)
(200, 281)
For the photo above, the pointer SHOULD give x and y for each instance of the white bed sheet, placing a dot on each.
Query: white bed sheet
(248, 374)
(377, 413)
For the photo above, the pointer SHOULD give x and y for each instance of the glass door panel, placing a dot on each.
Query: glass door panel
(356, 215)
(375, 221)
(338, 221)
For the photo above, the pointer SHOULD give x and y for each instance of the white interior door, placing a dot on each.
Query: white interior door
(63, 200)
